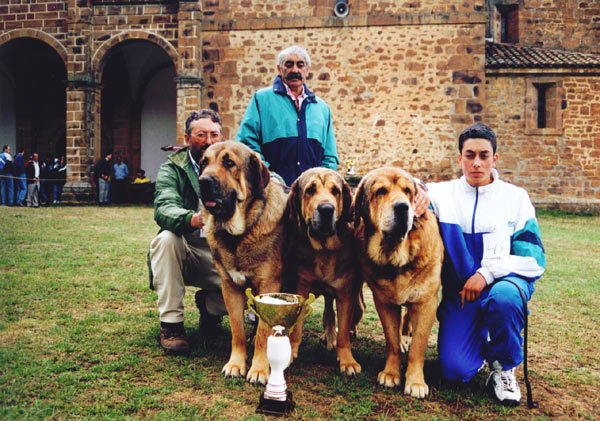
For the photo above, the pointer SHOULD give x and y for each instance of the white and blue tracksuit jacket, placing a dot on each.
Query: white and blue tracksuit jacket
(492, 230)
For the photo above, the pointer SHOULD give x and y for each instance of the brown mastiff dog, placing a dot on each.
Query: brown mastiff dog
(322, 257)
(401, 258)
(244, 229)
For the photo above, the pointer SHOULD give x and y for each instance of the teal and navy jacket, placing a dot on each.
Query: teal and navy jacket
(288, 140)
(490, 229)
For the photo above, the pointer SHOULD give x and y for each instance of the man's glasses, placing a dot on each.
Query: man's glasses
(205, 135)
(290, 64)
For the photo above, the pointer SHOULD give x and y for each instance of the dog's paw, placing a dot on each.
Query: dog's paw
(405, 341)
(350, 368)
(232, 369)
(330, 340)
(388, 379)
(258, 374)
(416, 389)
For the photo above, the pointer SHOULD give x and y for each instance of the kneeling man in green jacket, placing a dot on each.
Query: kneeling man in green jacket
(179, 255)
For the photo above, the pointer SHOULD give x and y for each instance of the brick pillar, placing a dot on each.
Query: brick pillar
(83, 117)
(82, 102)
(189, 65)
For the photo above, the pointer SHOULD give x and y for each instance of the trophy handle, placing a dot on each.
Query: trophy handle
(306, 310)
(251, 303)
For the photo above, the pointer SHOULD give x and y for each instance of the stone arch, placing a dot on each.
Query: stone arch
(100, 56)
(39, 35)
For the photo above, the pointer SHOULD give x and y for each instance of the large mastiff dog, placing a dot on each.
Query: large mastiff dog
(322, 257)
(244, 229)
(401, 258)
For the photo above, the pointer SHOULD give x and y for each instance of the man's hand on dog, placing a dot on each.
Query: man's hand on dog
(196, 221)
(472, 289)
(421, 201)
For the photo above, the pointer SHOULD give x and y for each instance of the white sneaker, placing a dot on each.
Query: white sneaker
(504, 385)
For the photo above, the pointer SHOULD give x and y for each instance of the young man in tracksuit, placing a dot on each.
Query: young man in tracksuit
(490, 234)
(289, 125)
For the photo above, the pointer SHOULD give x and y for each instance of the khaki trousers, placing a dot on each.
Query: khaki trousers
(178, 261)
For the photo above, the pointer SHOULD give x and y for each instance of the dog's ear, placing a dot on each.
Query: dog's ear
(292, 205)
(358, 203)
(258, 175)
(346, 202)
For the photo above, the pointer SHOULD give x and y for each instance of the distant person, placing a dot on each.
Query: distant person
(119, 182)
(60, 178)
(103, 173)
(32, 170)
(21, 178)
(287, 124)
(491, 236)
(179, 255)
(140, 177)
(6, 177)
(46, 181)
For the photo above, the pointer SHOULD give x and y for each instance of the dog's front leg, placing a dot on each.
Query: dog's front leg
(345, 310)
(329, 335)
(235, 301)
(259, 370)
(390, 319)
(422, 316)
(302, 289)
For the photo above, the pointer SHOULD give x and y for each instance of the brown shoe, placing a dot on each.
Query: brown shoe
(174, 341)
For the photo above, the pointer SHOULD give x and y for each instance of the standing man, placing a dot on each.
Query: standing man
(21, 180)
(491, 235)
(32, 171)
(119, 183)
(289, 125)
(7, 173)
(103, 171)
(179, 255)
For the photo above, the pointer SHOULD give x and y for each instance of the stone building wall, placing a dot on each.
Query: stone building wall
(399, 92)
(572, 25)
(559, 168)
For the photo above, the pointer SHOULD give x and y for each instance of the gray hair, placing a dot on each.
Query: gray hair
(294, 49)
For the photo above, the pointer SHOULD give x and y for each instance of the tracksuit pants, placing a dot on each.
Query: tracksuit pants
(487, 329)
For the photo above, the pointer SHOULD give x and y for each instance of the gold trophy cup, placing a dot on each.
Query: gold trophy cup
(279, 311)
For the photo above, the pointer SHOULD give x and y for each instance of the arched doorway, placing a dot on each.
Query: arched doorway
(32, 97)
(138, 105)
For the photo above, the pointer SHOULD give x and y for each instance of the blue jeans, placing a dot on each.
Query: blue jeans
(487, 329)
(21, 183)
(6, 190)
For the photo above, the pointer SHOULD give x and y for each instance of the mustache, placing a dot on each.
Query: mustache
(293, 75)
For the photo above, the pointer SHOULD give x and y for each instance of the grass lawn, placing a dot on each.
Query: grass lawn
(79, 328)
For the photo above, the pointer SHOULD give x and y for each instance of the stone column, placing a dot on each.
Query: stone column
(189, 65)
(82, 102)
(83, 144)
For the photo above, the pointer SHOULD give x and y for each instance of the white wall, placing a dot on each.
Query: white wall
(8, 122)
(159, 123)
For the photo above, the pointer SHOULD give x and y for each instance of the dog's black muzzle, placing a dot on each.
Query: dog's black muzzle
(323, 224)
(400, 226)
(215, 200)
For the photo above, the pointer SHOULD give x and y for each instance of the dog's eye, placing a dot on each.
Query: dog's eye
(335, 191)
(407, 191)
(311, 190)
(228, 163)
(203, 164)
(382, 191)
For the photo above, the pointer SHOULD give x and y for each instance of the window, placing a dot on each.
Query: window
(544, 105)
(543, 89)
(509, 22)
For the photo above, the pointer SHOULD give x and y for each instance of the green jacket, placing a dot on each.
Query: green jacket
(177, 194)
(176, 197)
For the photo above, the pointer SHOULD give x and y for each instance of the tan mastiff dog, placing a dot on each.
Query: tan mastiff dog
(244, 229)
(401, 259)
(322, 258)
